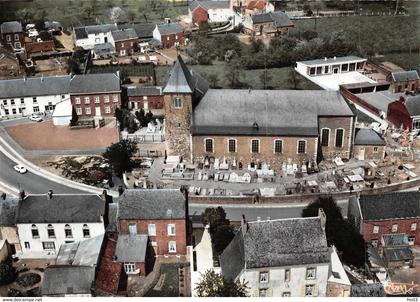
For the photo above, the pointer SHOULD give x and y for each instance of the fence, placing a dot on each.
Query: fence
(144, 138)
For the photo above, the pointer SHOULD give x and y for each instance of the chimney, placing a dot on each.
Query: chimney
(335, 58)
(323, 218)
(3, 196)
(325, 58)
(22, 195)
(244, 225)
(50, 194)
(104, 195)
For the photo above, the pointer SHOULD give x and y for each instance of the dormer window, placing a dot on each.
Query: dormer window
(255, 126)
(177, 102)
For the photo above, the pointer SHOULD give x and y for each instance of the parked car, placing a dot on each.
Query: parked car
(20, 168)
(35, 118)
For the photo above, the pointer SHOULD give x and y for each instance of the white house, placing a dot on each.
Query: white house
(47, 221)
(39, 95)
(280, 258)
(89, 36)
(217, 11)
(63, 113)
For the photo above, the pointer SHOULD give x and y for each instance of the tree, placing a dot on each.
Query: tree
(7, 272)
(265, 78)
(119, 156)
(221, 231)
(233, 72)
(131, 16)
(293, 79)
(213, 79)
(215, 285)
(339, 231)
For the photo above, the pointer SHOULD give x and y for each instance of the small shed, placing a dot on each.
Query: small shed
(63, 113)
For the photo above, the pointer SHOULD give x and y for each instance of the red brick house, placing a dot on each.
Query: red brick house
(126, 41)
(389, 213)
(146, 98)
(405, 112)
(160, 214)
(95, 95)
(199, 14)
(12, 34)
(169, 35)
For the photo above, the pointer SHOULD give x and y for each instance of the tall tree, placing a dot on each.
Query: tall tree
(119, 156)
(293, 78)
(215, 285)
(221, 231)
(233, 72)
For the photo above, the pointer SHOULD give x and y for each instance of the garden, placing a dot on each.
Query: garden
(19, 282)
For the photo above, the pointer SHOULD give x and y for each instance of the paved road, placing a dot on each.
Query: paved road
(29, 182)
(252, 212)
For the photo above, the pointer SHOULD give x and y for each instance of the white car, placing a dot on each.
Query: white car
(35, 118)
(20, 168)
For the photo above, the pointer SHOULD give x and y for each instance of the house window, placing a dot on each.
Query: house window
(96, 99)
(8, 38)
(88, 110)
(394, 228)
(263, 277)
(122, 44)
(232, 145)
(35, 232)
(262, 292)
(6, 111)
(312, 70)
(36, 109)
(208, 145)
(325, 137)
(172, 246)
(107, 109)
(5, 102)
(27, 245)
(130, 267)
(375, 149)
(374, 242)
(16, 37)
(151, 228)
(132, 229)
(48, 245)
(301, 149)
(255, 146)
(177, 103)
(345, 67)
(86, 231)
(34, 100)
(286, 294)
(87, 100)
(79, 111)
(411, 240)
(67, 231)
(319, 70)
(375, 229)
(413, 226)
(14, 110)
(309, 290)
(287, 275)
(416, 124)
(326, 69)
(22, 101)
(339, 134)
(278, 146)
(115, 98)
(171, 229)
(12, 102)
(51, 232)
(106, 99)
(77, 100)
(310, 273)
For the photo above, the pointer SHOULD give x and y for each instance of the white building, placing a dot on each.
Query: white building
(39, 95)
(89, 36)
(63, 113)
(280, 258)
(47, 221)
(217, 11)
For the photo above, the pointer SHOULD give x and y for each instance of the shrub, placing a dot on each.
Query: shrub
(35, 292)
(29, 279)
(13, 292)
(7, 273)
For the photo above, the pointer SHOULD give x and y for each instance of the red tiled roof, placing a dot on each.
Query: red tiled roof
(256, 4)
(109, 272)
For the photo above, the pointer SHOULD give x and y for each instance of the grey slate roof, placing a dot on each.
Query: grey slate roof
(144, 30)
(124, 34)
(337, 60)
(404, 75)
(36, 86)
(209, 4)
(152, 204)
(95, 83)
(169, 28)
(398, 254)
(62, 208)
(144, 90)
(368, 137)
(276, 112)
(182, 80)
(279, 19)
(61, 280)
(131, 248)
(367, 290)
(104, 49)
(84, 31)
(412, 104)
(395, 239)
(396, 205)
(273, 243)
(85, 252)
(11, 27)
(8, 210)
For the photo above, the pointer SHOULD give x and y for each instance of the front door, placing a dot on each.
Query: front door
(362, 153)
(97, 111)
(145, 105)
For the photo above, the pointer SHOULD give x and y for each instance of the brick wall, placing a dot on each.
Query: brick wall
(403, 86)
(200, 15)
(333, 124)
(370, 152)
(177, 125)
(130, 47)
(169, 41)
(385, 227)
(162, 238)
(92, 105)
(338, 290)
(33, 47)
(398, 114)
(154, 101)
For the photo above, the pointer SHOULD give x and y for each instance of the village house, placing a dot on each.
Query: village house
(202, 11)
(125, 41)
(169, 35)
(12, 35)
(251, 127)
(35, 95)
(146, 98)
(402, 80)
(89, 36)
(368, 144)
(268, 24)
(9, 64)
(95, 95)
(47, 221)
(405, 112)
(279, 258)
(156, 218)
(389, 213)
(258, 7)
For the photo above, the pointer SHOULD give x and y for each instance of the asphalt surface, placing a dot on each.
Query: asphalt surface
(29, 182)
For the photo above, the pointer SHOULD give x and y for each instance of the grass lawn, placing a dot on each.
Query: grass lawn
(170, 286)
(279, 76)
